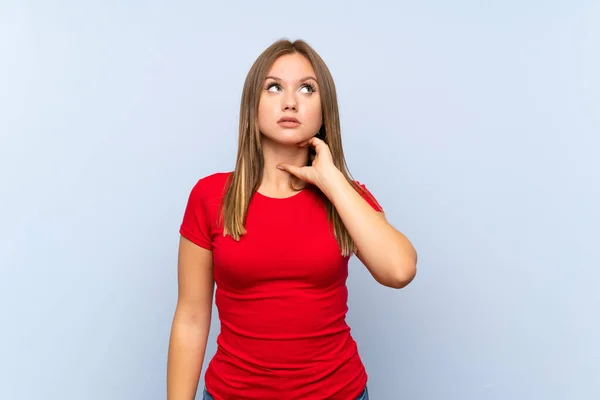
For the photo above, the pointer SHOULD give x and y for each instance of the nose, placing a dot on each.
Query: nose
(289, 102)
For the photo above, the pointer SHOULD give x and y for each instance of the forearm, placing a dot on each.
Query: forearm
(187, 348)
(387, 253)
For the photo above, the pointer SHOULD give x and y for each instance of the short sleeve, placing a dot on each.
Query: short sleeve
(368, 196)
(196, 226)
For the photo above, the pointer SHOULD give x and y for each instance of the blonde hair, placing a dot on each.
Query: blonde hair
(247, 175)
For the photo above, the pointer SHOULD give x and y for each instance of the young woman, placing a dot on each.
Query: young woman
(275, 235)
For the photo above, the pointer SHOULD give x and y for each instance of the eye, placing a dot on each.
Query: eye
(308, 88)
(273, 87)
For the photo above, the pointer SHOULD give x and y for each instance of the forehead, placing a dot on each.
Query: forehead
(291, 67)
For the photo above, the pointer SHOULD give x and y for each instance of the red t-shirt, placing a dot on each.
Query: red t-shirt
(281, 297)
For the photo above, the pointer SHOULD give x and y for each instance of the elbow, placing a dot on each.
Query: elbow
(402, 281)
(192, 315)
(404, 265)
(403, 275)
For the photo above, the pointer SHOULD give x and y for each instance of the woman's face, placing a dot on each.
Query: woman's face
(289, 110)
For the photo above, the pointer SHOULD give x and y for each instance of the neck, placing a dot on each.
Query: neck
(275, 181)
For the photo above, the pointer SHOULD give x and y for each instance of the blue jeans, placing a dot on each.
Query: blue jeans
(363, 396)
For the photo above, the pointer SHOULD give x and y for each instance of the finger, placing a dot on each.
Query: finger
(313, 141)
(292, 169)
(317, 144)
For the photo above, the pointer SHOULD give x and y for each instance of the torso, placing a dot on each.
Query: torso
(282, 302)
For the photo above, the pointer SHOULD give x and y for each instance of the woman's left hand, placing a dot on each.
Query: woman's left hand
(322, 169)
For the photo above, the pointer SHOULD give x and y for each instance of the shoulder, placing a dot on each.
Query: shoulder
(210, 187)
(200, 212)
(213, 183)
(367, 195)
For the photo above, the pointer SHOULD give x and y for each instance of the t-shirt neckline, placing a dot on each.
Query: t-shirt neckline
(281, 199)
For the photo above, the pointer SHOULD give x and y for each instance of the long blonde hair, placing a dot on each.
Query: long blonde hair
(246, 178)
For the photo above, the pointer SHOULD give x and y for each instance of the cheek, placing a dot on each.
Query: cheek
(265, 103)
(315, 114)
(265, 112)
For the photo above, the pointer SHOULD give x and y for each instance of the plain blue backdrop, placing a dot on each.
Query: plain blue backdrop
(476, 125)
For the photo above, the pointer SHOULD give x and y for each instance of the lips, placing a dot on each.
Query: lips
(288, 122)
(288, 119)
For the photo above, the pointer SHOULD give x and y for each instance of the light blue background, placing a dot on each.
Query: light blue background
(476, 125)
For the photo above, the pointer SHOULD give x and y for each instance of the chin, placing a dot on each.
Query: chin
(287, 136)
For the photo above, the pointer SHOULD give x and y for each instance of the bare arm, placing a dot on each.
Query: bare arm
(388, 254)
(191, 323)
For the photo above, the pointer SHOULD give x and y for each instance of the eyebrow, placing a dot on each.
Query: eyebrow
(306, 78)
